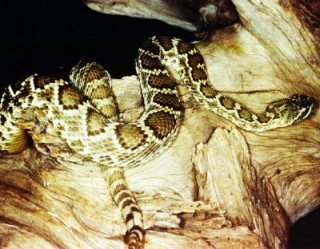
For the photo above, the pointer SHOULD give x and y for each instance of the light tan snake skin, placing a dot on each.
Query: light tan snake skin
(84, 115)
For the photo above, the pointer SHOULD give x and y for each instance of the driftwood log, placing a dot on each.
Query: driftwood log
(217, 186)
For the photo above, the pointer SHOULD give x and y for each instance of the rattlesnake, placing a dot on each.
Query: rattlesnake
(84, 114)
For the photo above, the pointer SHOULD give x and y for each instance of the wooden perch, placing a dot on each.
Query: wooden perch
(216, 186)
(189, 15)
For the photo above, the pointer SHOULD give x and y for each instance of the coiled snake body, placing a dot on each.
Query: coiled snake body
(84, 115)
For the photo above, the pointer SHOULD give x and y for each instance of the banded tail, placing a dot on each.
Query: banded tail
(130, 210)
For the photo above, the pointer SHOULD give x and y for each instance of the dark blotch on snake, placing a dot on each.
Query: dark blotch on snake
(195, 59)
(228, 103)
(150, 63)
(70, 97)
(130, 136)
(2, 119)
(184, 47)
(245, 114)
(161, 81)
(93, 72)
(41, 81)
(199, 73)
(165, 42)
(161, 123)
(168, 100)
(149, 46)
(208, 91)
(95, 122)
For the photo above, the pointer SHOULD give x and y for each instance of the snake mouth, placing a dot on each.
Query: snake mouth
(304, 104)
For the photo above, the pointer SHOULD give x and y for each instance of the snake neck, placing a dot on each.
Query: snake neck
(187, 62)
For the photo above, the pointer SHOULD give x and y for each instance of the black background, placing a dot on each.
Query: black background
(49, 36)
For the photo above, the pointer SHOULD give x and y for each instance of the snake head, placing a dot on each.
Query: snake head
(302, 105)
(291, 110)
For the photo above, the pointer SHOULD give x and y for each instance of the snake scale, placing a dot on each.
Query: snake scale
(83, 113)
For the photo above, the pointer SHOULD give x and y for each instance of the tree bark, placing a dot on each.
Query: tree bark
(216, 186)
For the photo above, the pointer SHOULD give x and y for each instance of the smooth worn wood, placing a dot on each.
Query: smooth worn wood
(190, 15)
(216, 186)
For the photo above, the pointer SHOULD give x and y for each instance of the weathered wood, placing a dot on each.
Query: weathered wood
(214, 187)
(190, 15)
